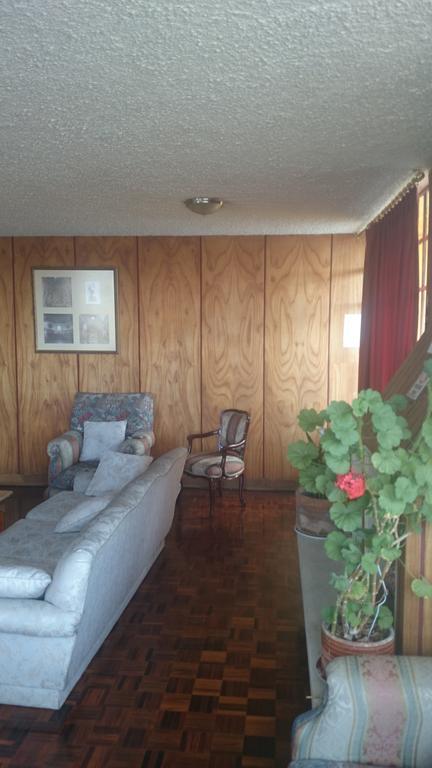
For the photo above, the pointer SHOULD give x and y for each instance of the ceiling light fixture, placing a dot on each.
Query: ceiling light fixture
(204, 205)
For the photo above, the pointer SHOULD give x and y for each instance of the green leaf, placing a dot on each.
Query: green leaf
(302, 454)
(391, 553)
(346, 429)
(368, 562)
(327, 614)
(367, 400)
(340, 582)
(338, 408)
(423, 473)
(334, 543)
(386, 461)
(403, 424)
(385, 618)
(348, 517)
(358, 590)
(427, 366)
(352, 553)
(426, 432)
(331, 444)
(426, 511)
(422, 588)
(397, 403)
(338, 466)
(335, 494)
(309, 419)
(405, 490)
(388, 501)
(391, 437)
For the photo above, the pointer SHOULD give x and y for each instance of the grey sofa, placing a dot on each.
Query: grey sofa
(46, 643)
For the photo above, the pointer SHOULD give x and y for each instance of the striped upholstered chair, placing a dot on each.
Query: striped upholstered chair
(378, 713)
(226, 462)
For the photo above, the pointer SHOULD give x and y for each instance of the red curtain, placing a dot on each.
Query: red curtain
(390, 294)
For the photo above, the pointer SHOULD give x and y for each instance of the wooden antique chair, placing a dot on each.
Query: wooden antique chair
(226, 462)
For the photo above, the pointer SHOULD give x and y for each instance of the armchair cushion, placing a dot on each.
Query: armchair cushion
(210, 465)
(101, 436)
(378, 712)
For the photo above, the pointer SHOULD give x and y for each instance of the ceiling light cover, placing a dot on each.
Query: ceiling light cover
(204, 205)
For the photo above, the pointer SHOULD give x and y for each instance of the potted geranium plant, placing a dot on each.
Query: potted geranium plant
(315, 478)
(379, 483)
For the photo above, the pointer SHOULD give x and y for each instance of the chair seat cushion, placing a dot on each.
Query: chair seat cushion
(305, 763)
(329, 764)
(209, 465)
(65, 480)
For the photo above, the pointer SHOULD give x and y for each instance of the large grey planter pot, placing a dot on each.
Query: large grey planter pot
(312, 526)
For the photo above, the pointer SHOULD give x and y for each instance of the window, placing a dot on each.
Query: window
(423, 235)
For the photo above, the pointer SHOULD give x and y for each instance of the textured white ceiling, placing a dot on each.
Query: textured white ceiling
(304, 115)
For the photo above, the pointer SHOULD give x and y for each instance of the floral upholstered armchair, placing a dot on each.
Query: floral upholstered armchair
(378, 713)
(133, 409)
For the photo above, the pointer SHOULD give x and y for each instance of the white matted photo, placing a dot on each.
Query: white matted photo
(75, 310)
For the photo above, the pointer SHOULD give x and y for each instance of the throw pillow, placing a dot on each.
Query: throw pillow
(116, 470)
(80, 515)
(101, 436)
(23, 581)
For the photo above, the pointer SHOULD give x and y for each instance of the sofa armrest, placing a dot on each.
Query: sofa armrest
(369, 713)
(26, 616)
(139, 443)
(63, 452)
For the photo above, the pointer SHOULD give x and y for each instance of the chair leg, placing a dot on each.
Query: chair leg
(212, 488)
(220, 487)
(241, 488)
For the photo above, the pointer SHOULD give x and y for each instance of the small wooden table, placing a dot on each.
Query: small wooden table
(3, 496)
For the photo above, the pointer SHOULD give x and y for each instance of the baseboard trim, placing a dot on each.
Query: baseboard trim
(259, 484)
(17, 479)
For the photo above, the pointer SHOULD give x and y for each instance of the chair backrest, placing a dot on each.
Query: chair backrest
(234, 425)
(136, 407)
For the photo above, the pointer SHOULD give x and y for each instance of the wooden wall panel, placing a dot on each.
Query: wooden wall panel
(113, 372)
(232, 335)
(169, 290)
(346, 297)
(8, 384)
(47, 381)
(296, 345)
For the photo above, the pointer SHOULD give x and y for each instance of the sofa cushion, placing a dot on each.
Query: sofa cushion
(18, 580)
(101, 436)
(82, 513)
(51, 510)
(33, 542)
(116, 470)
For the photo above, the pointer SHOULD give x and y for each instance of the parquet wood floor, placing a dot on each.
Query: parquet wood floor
(205, 668)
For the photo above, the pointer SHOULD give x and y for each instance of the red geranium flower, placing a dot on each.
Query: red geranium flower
(352, 483)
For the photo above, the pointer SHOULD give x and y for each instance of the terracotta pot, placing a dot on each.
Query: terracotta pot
(332, 647)
(312, 514)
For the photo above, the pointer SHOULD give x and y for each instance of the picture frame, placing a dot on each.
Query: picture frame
(75, 310)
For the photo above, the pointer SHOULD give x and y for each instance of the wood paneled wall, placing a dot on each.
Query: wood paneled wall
(297, 340)
(204, 323)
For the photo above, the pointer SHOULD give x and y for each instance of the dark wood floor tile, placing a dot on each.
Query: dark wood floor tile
(206, 668)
